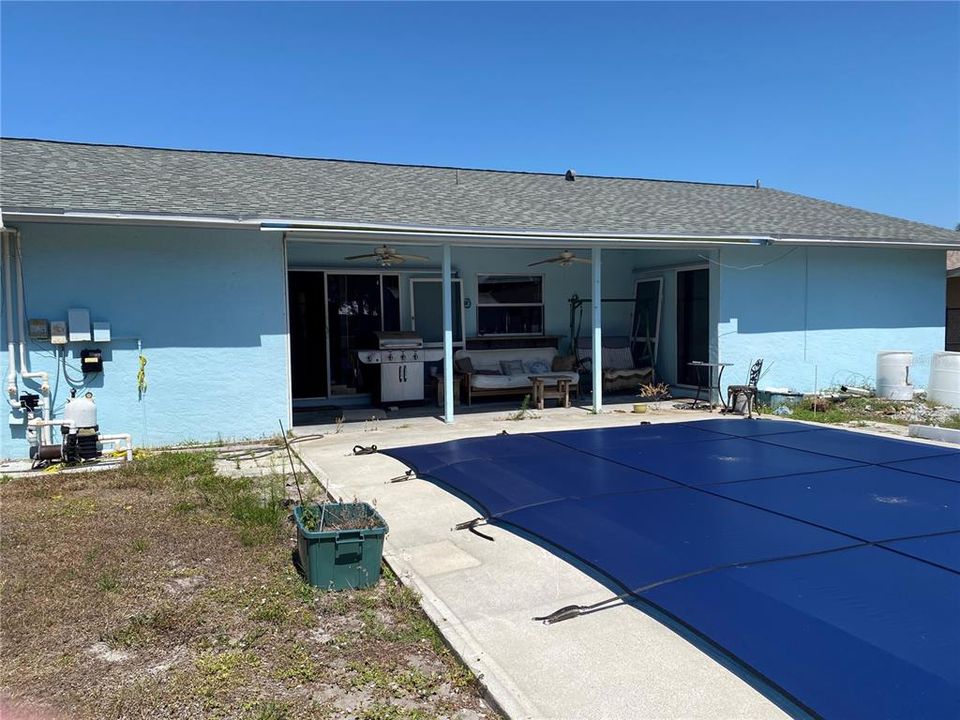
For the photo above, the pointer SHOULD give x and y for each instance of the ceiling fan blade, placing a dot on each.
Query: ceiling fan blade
(361, 257)
(544, 262)
(585, 261)
(406, 256)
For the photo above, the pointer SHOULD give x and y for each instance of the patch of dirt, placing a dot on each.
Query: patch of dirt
(132, 593)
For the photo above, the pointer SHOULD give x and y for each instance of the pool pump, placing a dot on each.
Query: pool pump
(79, 431)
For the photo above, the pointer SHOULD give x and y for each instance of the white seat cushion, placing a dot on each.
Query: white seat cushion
(503, 382)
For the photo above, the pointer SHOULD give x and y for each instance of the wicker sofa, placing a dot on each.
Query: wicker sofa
(483, 370)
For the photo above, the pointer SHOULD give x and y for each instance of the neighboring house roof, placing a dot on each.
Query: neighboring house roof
(953, 262)
(71, 177)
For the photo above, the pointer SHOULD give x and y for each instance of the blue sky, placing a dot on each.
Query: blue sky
(855, 103)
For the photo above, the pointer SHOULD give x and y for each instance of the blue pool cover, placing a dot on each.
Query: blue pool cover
(825, 562)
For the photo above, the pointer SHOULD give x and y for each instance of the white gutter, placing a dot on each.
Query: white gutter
(854, 242)
(425, 234)
(505, 236)
(107, 218)
(431, 235)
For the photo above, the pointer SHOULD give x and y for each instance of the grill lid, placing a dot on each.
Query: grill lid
(398, 340)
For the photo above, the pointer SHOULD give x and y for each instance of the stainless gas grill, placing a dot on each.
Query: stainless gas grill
(400, 357)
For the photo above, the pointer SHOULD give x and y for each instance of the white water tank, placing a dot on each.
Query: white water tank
(893, 375)
(944, 386)
(82, 411)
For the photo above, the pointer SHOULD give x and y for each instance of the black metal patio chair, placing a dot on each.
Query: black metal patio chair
(748, 391)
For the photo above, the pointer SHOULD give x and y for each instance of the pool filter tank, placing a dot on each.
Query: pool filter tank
(80, 431)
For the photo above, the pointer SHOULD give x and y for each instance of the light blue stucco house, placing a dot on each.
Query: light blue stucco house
(228, 274)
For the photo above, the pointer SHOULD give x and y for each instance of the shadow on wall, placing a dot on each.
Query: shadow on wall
(770, 290)
(172, 287)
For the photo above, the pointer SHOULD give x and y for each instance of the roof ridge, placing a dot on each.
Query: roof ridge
(281, 156)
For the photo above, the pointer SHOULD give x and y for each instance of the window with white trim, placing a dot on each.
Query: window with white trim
(509, 304)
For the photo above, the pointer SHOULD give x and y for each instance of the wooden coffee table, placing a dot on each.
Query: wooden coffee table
(552, 386)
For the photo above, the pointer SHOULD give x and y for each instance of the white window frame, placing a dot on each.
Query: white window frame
(542, 304)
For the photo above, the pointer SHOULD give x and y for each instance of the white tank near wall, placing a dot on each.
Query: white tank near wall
(81, 411)
(893, 375)
(944, 385)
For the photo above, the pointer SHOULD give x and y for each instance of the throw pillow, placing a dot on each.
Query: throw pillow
(511, 367)
(464, 365)
(563, 363)
(538, 367)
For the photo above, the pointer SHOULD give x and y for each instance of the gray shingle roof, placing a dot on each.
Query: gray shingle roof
(81, 177)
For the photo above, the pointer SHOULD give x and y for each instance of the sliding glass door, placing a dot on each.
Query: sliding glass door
(332, 315)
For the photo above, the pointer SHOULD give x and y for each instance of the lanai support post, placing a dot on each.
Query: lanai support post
(448, 388)
(597, 354)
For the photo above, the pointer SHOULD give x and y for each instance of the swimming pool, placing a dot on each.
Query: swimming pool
(826, 563)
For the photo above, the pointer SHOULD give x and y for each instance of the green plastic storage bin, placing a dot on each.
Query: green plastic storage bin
(341, 559)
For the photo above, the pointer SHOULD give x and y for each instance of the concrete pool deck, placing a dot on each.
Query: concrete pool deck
(619, 663)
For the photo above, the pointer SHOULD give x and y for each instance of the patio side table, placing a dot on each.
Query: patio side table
(558, 389)
(708, 385)
(457, 388)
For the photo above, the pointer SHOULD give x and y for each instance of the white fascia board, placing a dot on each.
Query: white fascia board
(470, 237)
(867, 242)
(93, 218)
(466, 237)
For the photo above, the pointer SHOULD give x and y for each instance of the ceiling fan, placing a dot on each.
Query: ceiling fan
(387, 256)
(565, 259)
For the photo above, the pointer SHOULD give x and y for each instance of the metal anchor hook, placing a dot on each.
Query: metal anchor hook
(471, 525)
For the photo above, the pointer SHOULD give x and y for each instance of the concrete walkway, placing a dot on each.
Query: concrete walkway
(618, 663)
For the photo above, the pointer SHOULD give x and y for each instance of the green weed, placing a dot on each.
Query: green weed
(140, 545)
(271, 710)
(108, 581)
(297, 665)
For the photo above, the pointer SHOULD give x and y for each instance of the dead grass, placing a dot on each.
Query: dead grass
(858, 411)
(165, 591)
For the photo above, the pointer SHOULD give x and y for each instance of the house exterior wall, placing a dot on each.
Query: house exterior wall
(208, 306)
(818, 316)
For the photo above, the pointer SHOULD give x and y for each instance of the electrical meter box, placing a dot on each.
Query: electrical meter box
(91, 361)
(78, 321)
(58, 332)
(101, 332)
(39, 329)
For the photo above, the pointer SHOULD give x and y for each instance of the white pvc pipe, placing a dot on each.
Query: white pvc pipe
(37, 422)
(596, 360)
(25, 373)
(45, 428)
(125, 437)
(8, 311)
